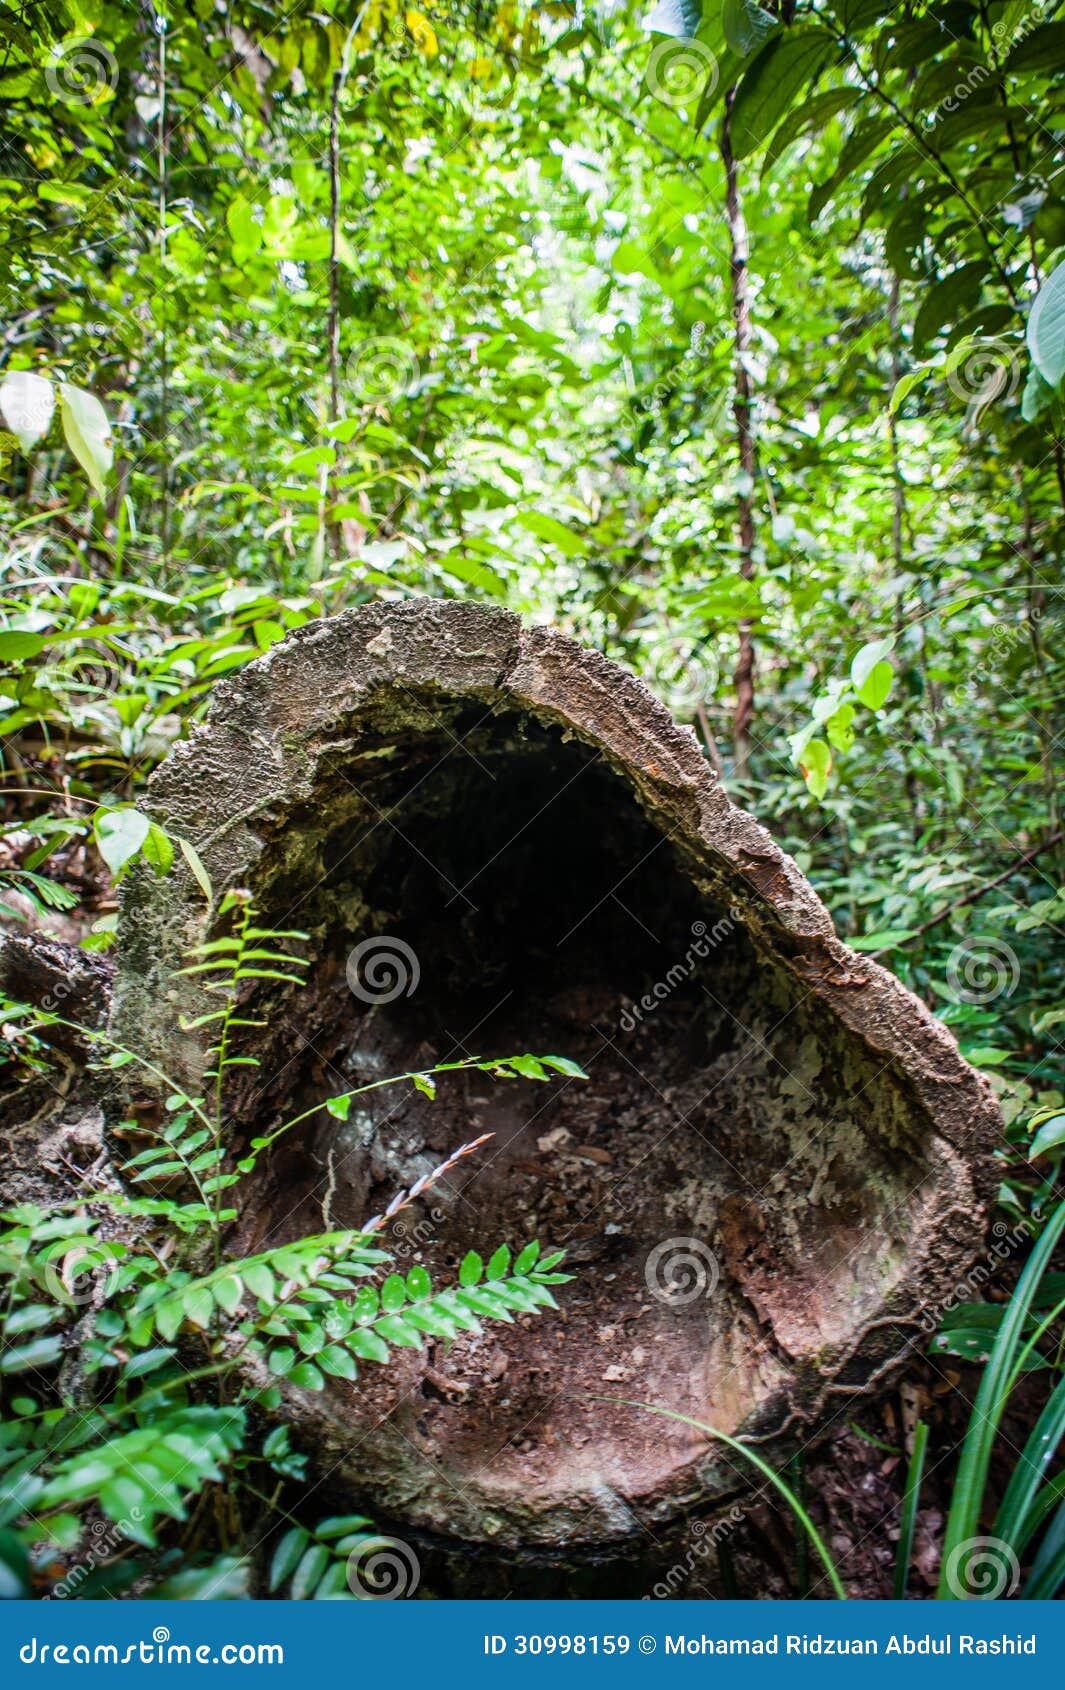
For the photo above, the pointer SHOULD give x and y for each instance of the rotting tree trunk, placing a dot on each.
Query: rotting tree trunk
(554, 868)
(743, 416)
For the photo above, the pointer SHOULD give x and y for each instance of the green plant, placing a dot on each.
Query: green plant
(908, 1514)
(152, 1403)
(782, 1488)
(1031, 1500)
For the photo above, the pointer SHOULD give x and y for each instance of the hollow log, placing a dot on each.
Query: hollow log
(779, 1160)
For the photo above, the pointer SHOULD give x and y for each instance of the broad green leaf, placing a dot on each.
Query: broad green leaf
(786, 65)
(866, 660)
(312, 1566)
(904, 386)
(286, 1555)
(16, 644)
(839, 727)
(1038, 49)
(120, 835)
(307, 1376)
(198, 1305)
(40, 1352)
(1046, 328)
(169, 1317)
(887, 939)
(564, 1065)
(1050, 1135)
(158, 850)
(747, 25)
(499, 1263)
(548, 527)
(339, 1525)
(259, 1280)
(338, 1362)
(529, 1067)
(367, 1345)
(816, 766)
(876, 686)
(393, 1293)
(228, 1292)
(147, 1361)
(396, 1330)
(88, 434)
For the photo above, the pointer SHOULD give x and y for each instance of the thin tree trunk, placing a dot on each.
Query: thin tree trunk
(1035, 610)
(898, 533)
(742, 412)
(328, 484)
(164, 349)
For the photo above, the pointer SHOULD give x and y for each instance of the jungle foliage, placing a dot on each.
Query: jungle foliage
(730, 338)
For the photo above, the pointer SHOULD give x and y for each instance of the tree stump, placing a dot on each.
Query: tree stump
(498, 841)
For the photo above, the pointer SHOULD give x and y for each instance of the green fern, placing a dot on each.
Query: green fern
(314, 1564)
(162, 1349)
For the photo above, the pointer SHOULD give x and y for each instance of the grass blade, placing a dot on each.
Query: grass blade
(964, 1519)
(1027, 1476)
(766, 1471)
(908, 1517)
(1048, 1568)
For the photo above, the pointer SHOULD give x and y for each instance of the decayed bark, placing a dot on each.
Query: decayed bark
(552, 866)
(743, 416)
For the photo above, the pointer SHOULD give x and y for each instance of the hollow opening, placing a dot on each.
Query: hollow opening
(730, 1193)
